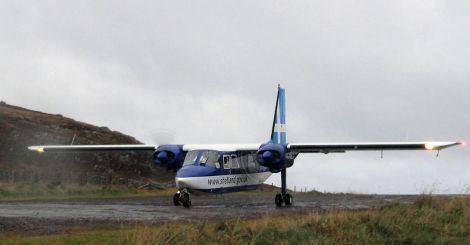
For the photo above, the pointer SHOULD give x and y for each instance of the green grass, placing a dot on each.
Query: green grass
(427, 221)
(28, 191)
(43, 191)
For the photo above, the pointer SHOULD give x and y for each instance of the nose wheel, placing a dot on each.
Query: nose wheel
(182, 197)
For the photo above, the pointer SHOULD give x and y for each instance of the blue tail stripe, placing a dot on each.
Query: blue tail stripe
(282, 110)
(279, 135)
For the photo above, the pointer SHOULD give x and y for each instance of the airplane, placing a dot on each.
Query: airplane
(222, 168)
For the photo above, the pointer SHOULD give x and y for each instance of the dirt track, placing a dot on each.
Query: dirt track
(45, 217)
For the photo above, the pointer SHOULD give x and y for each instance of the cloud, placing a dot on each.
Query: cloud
(207, 71)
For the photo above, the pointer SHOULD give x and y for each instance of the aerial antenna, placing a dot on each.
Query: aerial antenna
(275, 111)
(73, 139)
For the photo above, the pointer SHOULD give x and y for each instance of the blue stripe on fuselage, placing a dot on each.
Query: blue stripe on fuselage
(227, 189)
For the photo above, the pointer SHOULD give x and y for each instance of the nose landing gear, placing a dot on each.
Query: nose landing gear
(182, 197)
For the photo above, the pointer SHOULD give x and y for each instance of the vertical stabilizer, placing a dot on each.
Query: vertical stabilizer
(278, 131)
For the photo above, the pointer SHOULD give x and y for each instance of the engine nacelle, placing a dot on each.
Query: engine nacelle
(274, 156)
(169, 156)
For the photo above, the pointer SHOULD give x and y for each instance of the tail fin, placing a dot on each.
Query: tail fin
(278, 131)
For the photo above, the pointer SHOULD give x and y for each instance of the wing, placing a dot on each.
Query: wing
(78, 148)
(187, 147)
(372, 146)
(297, 147)
(222, 147)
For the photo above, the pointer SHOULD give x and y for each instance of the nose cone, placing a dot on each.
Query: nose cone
(268, 156)
(193, 176)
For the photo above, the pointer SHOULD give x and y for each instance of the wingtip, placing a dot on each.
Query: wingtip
(38, 149)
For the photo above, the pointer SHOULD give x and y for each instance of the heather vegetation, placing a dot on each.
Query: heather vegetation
(428, 220)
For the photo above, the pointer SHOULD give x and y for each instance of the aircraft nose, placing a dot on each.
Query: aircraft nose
(181, 183)
(192, 176)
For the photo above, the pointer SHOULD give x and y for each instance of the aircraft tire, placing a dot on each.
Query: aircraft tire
(186, 200)
(278, 200)
(176, 199)
(288, 200)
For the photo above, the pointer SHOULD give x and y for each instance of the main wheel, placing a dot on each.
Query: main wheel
(176, 199)
(288, 199)
(186, 200)
(278, 200)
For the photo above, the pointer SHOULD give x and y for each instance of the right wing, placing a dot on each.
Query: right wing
(78, 148)
(187, 147)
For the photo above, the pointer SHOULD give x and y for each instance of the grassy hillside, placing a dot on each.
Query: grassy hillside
(21, 127)
(427, 221)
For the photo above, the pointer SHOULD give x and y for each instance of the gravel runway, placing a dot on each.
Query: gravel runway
(46, 217)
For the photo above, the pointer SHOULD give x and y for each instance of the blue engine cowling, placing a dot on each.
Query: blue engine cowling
(169, 156)
(274, 156)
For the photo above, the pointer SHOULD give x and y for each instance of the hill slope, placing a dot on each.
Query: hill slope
(21, 127)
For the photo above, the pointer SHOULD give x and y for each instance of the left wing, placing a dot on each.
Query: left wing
(377, 146)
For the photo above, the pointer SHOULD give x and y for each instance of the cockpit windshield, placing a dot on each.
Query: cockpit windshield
(206, 158)
(209, 158)
(190, 158)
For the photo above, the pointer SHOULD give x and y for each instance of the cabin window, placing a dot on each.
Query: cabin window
(251, 163)
(226, 162)
(235, 162)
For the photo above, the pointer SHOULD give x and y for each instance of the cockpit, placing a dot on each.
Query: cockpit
(208, 158)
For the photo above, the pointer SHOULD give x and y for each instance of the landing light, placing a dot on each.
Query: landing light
(429, 146)
(40, 150)
(463, 143)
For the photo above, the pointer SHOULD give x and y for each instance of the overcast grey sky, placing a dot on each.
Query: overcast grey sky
(207, 71)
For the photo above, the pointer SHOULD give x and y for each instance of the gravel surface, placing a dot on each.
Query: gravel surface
(47, 217)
